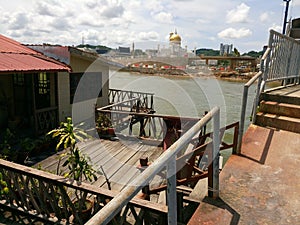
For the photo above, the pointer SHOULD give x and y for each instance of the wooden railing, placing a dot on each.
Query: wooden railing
(146, 99)
(35, 195)
(46, 119)
(149, 126)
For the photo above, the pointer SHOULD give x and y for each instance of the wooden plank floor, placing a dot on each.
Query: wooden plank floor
(119, 160)
(292, 91)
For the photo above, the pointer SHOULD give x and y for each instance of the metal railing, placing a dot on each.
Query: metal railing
(281, 61)
(167, 159)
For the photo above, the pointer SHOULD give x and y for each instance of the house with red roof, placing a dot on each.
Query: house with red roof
(42, 85)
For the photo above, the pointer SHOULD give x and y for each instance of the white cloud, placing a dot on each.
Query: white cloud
(18, 21)
(264, 16)
(148, 36)
(276, 27)
(113, 11)
(89, 20)
(45, 9)
(238, 15)
(296, 3)
(62, 24)
(154, 5)
(232, 33)
(120, 22)
(164, 17)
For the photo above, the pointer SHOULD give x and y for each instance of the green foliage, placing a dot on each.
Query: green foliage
(79, 167)
(6, 144)
(254, 54)
(77, 163)
(236, 52)
(207, 52)
(27, 144)
(3, 186)
(93, 46)
(103, 121)
(67, 135)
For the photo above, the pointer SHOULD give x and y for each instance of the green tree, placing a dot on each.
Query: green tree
(236, 52)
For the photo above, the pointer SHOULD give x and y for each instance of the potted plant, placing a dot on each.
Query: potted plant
(78, 164)
(104, 125)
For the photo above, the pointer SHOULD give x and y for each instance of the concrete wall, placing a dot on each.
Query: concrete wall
(83, 110)
(63, 87)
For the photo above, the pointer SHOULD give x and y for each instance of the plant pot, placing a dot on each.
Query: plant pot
(85, 214)
(111, 131)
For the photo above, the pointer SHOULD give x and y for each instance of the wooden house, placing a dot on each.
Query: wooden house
(41, 85)
(84, 87)
(28, 88)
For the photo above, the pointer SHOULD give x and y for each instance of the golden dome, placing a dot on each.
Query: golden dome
(174, 37)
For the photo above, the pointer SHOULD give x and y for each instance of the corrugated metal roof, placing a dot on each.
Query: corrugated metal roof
(16, 57)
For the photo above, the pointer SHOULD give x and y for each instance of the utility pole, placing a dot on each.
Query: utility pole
(285, 15)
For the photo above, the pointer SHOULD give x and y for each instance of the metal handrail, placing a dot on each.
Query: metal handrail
(109, 211)
(281, 61)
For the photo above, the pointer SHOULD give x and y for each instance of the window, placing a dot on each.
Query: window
(42, 90)
(87, 88)
(43, 83)
(19, 79)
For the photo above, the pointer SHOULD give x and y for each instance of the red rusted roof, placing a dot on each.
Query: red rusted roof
(15, 57)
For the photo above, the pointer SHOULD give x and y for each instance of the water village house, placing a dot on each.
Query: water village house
(79, 99)
(38, 91)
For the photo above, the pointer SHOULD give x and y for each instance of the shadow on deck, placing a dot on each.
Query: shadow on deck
(261, 186)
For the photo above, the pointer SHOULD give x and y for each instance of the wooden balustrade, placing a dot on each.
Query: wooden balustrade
(147, 125)
(46, 119)
(39, 195)
(146, 99)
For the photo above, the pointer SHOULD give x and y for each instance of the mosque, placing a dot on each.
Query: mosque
(174, 49)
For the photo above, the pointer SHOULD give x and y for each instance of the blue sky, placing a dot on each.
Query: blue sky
(201, 24)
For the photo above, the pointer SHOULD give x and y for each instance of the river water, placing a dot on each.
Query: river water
(188, 96)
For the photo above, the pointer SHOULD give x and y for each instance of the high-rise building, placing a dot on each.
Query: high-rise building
(226, 49)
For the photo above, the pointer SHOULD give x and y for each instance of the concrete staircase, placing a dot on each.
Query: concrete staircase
(280, 112)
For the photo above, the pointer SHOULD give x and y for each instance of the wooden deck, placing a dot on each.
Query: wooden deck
(289, 94)
(119, 160)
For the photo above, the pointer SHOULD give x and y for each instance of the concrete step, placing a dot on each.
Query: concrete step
(282, 96)
(278, 122)
(282, 109)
